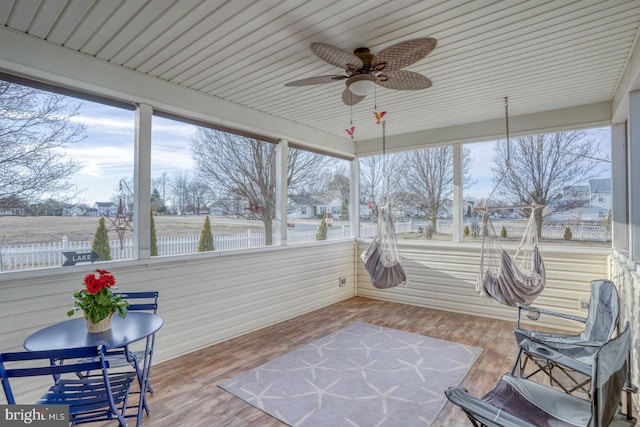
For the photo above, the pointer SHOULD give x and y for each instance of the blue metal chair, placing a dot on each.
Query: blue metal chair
(142, 301)
(101, 397)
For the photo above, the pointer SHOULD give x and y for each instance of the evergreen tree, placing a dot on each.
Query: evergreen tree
(428, 231)
(503, 232)
(466, 230)
(568, 235)
(205, 243)
(101, 244)
(345, 209)
(469, 211)
(322, 230)
(154, 238)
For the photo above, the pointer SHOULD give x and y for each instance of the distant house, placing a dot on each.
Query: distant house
(12, 211)
(314, 206)
(303, 207)
(596, 194)
(578, 194)
(600, 192)
(73, 211)
(106, 208)
(593, 201)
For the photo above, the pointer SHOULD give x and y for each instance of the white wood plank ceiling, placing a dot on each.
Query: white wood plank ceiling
(543, 54)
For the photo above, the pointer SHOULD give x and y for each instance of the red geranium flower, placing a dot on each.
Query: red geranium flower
(96, 300)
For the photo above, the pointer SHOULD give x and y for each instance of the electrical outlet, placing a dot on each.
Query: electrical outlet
(342, 281)
(583, 304)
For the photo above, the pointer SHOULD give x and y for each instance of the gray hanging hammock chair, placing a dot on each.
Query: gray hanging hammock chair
(510, 280)
(382, 258)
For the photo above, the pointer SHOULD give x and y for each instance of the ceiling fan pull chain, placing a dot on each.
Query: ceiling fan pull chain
(384, 164)
(375, 103)
(351, 113)
(506, 118)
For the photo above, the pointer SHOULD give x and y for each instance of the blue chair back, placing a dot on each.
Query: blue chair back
(135, 300)
(89, 399)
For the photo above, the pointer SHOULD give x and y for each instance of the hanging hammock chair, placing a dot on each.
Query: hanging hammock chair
(510, 280)
(382, 258)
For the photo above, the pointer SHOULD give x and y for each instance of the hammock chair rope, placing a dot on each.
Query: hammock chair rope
(510, 280)
(382, 257)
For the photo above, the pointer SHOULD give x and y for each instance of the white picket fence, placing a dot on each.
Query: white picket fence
(50, 254)
(41, 255)
(580, 232)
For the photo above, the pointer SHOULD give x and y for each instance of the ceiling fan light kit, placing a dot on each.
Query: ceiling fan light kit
(362, 84)
(364, 70)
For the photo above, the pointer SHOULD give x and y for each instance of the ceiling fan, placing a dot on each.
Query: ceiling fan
(363, 70)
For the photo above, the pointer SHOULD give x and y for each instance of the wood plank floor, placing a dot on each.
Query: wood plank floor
(186, 387)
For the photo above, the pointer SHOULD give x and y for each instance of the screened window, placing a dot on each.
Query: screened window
(560, 171)
(65, 163)
(201, 175)
(317, 198)
(420, 189)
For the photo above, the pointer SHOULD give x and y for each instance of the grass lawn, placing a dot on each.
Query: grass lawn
(19, 230)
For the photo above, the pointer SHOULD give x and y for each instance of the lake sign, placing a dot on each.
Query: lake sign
(75, 257)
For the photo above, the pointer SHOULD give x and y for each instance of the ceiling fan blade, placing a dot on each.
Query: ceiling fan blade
(351, 98)
(338, 57)
(315, 80)
(404, 80)
(403, 54)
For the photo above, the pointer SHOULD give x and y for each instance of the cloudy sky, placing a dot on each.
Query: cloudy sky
(483, 154)
(107, 153)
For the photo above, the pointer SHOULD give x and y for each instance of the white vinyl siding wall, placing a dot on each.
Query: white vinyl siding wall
(204, 299)
(208, 298)
(442, 275)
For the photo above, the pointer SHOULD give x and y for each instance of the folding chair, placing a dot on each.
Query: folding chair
(599, 326)
(101, 397)
(520, 402)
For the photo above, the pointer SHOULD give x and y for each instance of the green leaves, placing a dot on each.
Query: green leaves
(99, 305)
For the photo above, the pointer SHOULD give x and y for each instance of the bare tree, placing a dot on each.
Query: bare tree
(428, 178)
(159, 192)
(380, 176)
(200, 194)
(179, 188)
(243, 169)
(35, 127)
(308, 172)
(340, 182)
(537, 169)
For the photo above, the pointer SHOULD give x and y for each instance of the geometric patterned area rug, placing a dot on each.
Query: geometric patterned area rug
(363, 375)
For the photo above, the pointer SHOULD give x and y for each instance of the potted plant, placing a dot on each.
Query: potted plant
(98, 302)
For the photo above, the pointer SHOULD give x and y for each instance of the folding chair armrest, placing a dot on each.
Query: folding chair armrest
(481, 411)
(544, 352)
(539, 311)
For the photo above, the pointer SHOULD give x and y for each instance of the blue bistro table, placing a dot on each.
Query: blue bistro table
(72, 333)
